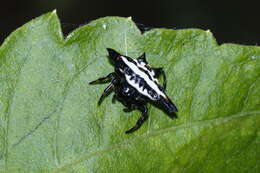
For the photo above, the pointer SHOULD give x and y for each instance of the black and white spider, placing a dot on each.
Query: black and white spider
(135, 84)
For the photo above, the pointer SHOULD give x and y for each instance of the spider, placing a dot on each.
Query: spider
(135, 84)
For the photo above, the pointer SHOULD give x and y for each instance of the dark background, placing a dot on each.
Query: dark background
(230, 21)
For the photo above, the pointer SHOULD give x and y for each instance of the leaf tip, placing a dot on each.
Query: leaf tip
(129, 18)
(54, 11)
(208, 31)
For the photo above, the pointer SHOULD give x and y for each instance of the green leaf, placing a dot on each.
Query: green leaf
(50, 121)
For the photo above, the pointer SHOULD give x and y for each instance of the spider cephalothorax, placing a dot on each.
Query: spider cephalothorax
(135, 84)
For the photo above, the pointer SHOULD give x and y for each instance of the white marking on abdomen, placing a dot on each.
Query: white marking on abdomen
(137, 71)
(136, 86)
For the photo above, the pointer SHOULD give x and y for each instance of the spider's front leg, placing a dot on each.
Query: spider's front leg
(141, 120)
(105, 79)
(109, 88)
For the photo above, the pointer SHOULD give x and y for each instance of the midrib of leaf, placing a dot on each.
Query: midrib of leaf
(130, 142)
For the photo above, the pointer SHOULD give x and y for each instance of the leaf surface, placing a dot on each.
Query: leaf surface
(50, 121)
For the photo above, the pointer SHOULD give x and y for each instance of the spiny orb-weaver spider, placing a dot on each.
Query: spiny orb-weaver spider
(135, 84)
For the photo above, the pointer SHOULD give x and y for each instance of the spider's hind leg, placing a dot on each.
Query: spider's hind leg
(141, 120)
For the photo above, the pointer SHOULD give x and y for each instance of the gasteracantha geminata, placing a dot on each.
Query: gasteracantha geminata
(135, 84)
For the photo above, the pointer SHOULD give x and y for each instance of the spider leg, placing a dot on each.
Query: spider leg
(107, 90)
(141, 120)
(105, 79)
(129, 108)
(158, 72)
